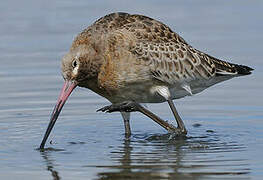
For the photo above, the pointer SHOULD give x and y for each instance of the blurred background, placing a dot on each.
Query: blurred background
(224, 122)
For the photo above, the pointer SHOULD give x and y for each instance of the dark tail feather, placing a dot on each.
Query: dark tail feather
(227, 68)
(243, 70)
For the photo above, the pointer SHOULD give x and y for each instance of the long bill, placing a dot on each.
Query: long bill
(67, 88)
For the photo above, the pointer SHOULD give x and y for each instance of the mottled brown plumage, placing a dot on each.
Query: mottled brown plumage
(134, 58)
(123, 51)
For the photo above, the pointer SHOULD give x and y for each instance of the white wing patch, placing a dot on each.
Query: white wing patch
(225, 72)
(187, 88)
(161, 90)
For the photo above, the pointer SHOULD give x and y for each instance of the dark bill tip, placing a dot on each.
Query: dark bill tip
(68, 87)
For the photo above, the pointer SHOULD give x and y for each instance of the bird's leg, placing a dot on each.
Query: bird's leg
(178, 119)
(126, 119)
(127, 106)
(169, 127)
(131, 106)
(165, 93)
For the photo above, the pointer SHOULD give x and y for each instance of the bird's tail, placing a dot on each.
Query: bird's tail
(243, 70)
(225, 68)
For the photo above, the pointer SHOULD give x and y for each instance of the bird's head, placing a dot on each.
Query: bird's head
(79, 66)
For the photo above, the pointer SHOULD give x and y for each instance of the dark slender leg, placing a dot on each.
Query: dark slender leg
(126, 120)
(133, 106)
(177, 117)
(164, 124)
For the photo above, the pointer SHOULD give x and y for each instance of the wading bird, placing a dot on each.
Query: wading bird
(132, 59)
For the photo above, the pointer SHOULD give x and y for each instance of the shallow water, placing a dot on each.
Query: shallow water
(225, 122)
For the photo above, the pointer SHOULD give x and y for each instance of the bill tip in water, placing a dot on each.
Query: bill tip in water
(48, 149)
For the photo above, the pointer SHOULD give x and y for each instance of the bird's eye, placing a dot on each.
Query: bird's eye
(74, 63)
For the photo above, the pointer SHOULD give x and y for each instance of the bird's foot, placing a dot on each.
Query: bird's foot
(175, 131)
(129, 106)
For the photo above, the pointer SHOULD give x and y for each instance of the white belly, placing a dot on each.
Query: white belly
(143, 92)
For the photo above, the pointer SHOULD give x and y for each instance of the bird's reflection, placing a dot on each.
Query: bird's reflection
(49, 165)
(150, 163)
(159, 157)
(162, 157)
(126, 157)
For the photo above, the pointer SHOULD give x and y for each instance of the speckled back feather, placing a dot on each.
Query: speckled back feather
(170, 58)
